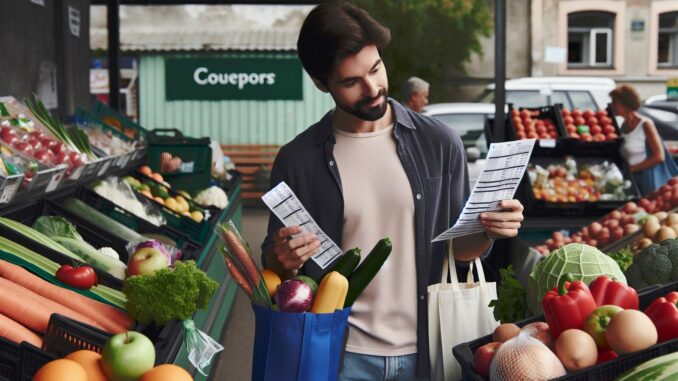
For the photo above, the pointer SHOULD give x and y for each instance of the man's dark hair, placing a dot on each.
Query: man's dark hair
(333, 31)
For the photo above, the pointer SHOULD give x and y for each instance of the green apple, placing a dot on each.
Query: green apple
(146, 261)
(596, 324)
(127, 356)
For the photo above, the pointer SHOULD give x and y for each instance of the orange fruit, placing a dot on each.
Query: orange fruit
(166, 372)
(157, 177)
(146, 170)
(89, 360)
(61, 370)
(272, 281)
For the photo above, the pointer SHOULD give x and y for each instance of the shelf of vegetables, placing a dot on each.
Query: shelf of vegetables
(80, 265)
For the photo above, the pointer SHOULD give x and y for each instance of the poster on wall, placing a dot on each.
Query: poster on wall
(233, 78)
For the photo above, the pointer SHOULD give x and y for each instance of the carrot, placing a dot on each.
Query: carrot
(238, 277)
(17, 333)
(240, 255)
(24, 310)
(109, 317)
(48, 305)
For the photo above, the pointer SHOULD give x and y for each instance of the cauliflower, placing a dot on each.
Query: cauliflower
(212, 196)
(109, 252)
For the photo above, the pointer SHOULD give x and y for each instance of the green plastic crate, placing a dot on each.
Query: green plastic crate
(104, 112)
(184, 162)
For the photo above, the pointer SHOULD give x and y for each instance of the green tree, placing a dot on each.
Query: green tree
(429, 38)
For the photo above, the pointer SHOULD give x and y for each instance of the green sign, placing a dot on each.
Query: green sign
(233, 78)
(672, 88)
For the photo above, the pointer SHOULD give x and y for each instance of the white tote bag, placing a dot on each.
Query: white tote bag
(457, 313)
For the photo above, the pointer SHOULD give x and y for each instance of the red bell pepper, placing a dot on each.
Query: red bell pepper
(664, 314)
(607, 291)
(568, 305)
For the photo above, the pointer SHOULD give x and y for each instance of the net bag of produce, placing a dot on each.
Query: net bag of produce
(297, 346)
(524, 358)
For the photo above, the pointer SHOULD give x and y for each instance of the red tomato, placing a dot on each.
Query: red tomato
(82, 277)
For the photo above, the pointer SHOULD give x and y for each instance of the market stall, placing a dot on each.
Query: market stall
(92, 213)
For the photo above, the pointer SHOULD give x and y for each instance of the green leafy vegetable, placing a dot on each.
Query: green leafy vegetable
(511, 303)
(168, 294)
(623, 257)
(655, 264)
(54, 226)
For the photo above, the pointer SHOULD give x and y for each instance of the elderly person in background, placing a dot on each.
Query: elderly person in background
(415, 94)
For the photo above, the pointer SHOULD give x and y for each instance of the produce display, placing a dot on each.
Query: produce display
(623, 222)
(104, 140)
(531, 124)
(179, 204)
(121, 194)
(169, 163)
(567, 180)
(589, 125)
(585, 326)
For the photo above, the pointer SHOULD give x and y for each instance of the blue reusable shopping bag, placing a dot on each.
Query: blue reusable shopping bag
(297, 346)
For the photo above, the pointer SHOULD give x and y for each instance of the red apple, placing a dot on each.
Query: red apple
(23, 147)
(8, 135)
(483, 358)
(37, 135)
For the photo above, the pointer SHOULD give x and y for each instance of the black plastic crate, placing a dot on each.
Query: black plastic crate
(551, 113)
(606, 371)
(537, 207)
(28, 213)
(65, 336)
(599, 148)
(10, 359)
(32, 359)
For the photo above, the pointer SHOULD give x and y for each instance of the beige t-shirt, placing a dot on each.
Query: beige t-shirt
(378, 203)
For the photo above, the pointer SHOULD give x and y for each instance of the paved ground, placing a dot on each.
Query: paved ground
(236, 361)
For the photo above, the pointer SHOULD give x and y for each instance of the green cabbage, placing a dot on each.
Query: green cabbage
(584, 262)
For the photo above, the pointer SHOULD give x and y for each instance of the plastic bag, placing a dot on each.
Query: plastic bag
(201, 347)
(524, 358)
(120, 193)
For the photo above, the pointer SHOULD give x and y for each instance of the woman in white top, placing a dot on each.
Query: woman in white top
(642, 147)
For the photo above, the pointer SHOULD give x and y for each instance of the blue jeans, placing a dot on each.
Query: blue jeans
(359, 367)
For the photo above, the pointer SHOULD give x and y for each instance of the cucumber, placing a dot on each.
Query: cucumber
(364, 274)
(663, 368)
(92, 257)
(348, 262)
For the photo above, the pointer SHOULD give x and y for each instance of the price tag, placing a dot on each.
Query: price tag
(9, 191)
(55, 180)
(104, 167)
(78, 172)
(124, 160)
(547, 143)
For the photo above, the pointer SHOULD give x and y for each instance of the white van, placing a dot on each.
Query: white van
(591, 93)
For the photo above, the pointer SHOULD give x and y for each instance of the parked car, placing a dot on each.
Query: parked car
(468, 119)
(664, 114)
(572, 92)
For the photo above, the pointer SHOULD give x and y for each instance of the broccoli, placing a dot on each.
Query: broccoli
(168, 294)
(651, 266)
(673, 257)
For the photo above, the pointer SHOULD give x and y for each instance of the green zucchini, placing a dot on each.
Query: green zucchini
(92, 257)
(101, 220)
(364, 274)
(347, 263)
(663, 368)
(38, 237)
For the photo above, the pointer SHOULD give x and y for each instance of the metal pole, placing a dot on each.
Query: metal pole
(499, 69)
(113, 17)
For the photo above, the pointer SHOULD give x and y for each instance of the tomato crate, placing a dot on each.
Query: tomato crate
(118, 122)
(609, 146)
(606, 371)
(543, 120)
(10, 360)
(184, 162)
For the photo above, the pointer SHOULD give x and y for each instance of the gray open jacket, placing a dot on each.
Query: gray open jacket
(434, 159)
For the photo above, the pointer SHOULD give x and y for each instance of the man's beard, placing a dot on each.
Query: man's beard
(361, 109)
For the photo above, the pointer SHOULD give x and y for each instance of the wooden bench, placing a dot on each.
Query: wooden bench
(254, 161)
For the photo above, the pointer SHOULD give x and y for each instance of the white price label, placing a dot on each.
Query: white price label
(9, 191)
(77, 173)
(547, 143)
(55, 180)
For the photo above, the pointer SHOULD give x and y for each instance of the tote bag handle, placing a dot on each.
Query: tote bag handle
(450, 267)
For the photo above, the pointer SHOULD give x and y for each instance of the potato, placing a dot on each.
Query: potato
(505, 331)
(576, 349)
(665, 233)
(630, 331)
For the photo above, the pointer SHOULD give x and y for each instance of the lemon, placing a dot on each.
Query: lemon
(197, 216)
(172, 204)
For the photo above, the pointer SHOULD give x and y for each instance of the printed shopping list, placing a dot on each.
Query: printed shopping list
(287, 207)
(504, 168)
